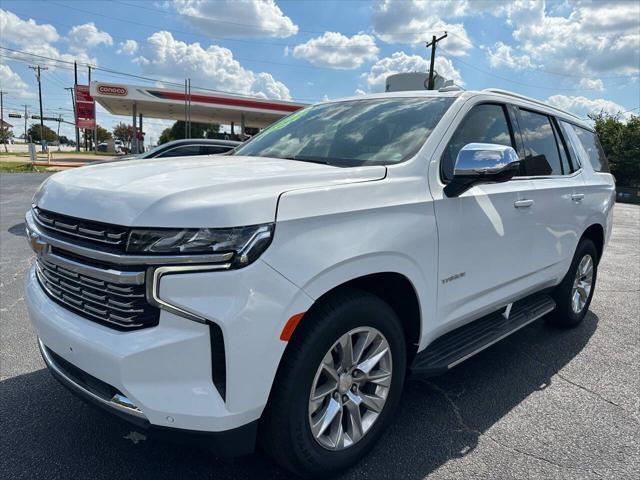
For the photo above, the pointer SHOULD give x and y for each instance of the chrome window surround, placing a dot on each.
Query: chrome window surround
(156, 266)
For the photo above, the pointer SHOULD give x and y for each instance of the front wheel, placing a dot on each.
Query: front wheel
(573, 295)
(339, 383)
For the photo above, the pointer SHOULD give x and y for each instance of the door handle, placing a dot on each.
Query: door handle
(577, 197)
(523, 203)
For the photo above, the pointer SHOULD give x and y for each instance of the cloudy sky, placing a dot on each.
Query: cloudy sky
(580, 55)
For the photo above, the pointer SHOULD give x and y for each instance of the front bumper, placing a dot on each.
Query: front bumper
(166, 370)
(230, 443)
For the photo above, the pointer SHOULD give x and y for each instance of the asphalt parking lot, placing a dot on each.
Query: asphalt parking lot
(544, 403)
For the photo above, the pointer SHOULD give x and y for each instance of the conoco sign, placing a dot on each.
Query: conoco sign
(112, 90)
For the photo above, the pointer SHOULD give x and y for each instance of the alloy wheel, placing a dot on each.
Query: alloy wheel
(350, 388)
(582, 284)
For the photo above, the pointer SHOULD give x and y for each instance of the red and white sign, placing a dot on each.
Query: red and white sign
(85, 108)
(114, 90)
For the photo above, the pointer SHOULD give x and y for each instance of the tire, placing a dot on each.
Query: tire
(568, 313)
(285, 431)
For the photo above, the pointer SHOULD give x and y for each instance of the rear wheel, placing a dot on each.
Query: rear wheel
(339, 383)
(573, 295)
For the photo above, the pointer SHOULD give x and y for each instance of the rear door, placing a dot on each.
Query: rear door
(558, 194)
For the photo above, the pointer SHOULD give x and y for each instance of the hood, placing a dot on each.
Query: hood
(188, 192)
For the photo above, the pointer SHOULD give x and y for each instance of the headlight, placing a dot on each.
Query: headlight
(246, 242)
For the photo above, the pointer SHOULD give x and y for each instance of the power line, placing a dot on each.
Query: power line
(272, 30)
(242, 59)
(131, 75)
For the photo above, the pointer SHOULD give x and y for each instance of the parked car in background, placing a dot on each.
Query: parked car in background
(186, 148)
(284, 293)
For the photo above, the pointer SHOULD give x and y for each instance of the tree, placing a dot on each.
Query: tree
(34, 132)
(5, 135)
(198, 130)
(165, 136)
(103, 134)
(621, 144)
(124, 133)
(64, 140)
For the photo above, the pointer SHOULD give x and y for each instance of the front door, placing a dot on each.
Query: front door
(485, 235)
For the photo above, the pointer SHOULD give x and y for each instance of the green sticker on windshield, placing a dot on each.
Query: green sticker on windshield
(288, 119)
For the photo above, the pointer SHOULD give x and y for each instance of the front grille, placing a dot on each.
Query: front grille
(121, 306)
(112, 236)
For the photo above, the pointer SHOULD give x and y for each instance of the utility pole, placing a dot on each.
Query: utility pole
(75, 119)
(432, 44)
(4, 139)
(37, 70)
(25, 123)
(58, 133)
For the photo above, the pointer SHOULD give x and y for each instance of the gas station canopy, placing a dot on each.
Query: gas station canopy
(154, 102)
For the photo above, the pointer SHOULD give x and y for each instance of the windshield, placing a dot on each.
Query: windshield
(358, 132)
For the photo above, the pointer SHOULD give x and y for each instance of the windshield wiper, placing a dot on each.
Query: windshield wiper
(320, 160)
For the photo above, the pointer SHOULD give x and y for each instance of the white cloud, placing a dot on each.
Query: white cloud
(594, 37)
(36, 39)
(86, 36)
(502, 55)
(12, 83)
(129, 47)
(400, 62)
(416, 21)
(591, 84)
(582, 106)
(24, 32)
(359, 91)
(335, 50)
(213, 66)
(239, 18)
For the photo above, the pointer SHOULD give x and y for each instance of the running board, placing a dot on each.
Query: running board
(462, 343)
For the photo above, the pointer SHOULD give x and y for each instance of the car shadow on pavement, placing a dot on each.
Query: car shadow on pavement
(47, 432)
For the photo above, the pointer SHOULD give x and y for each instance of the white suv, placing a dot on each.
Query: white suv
(284, 293)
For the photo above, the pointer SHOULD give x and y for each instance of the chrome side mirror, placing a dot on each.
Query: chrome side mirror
(479, 163)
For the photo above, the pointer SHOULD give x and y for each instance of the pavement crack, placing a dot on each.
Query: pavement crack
(454, 407)
(581, 387)
(467, 428)
(9, 307)
(540, 458)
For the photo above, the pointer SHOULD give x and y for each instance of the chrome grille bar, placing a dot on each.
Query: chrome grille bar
(108, 234)
(117, 304)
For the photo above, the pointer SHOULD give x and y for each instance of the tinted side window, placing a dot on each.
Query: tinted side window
(576, 149)
(214, 149)
(564, 154)
(542, 153)
(485, 123)
(184, 151)
(594, 150)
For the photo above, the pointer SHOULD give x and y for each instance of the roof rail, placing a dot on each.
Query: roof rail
(529, 99)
